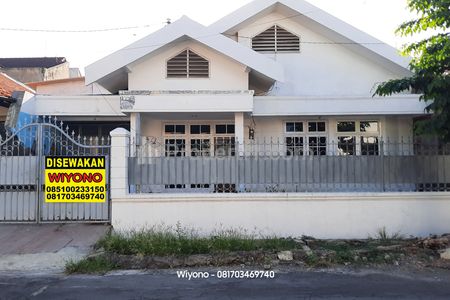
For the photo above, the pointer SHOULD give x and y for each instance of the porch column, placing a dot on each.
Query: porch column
(135, 131)
(239, 131)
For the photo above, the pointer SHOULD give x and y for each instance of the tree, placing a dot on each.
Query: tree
(430, 65)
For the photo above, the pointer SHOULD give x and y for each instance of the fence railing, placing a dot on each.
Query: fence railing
(367, 166)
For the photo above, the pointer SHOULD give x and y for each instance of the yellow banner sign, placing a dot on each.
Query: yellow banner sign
(75, 179)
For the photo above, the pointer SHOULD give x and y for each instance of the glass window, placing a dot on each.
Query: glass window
(225, 129)
(200, 147)
(175, 129)
(316, 126)
(230, 128)
(368, 126)
(294, 126)
(175, 147)
(200, 129)
(347, 145)
(346, 126)
(294, 146)
(224, 146)
(369, 146)
(317, 145)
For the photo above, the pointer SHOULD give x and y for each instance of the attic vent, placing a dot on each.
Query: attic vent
(276, 39)
(187, 64)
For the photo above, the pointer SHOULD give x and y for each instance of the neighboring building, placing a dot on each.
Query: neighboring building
(281, 71)
(74, 73)
(8, 86)
(67, 90)
(33, 69)
(67, 87)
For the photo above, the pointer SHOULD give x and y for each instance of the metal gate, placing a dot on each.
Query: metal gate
(22, 166)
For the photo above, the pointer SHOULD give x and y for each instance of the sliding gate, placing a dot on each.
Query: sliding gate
(22, 168)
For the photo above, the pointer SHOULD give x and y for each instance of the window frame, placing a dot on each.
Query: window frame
(357, 135)
(305, 135)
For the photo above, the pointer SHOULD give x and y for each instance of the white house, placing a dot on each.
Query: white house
(274, 102)
(275, 70)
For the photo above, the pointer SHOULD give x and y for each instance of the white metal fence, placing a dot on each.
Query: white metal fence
(376, 165)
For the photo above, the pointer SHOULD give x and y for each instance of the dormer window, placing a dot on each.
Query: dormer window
(187, 64)
(276, 39)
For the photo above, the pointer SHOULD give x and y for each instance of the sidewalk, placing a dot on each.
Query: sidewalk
(46, 247)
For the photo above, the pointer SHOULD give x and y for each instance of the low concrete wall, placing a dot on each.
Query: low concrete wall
(342, 215)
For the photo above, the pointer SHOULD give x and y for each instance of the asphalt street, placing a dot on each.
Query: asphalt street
(166, 285)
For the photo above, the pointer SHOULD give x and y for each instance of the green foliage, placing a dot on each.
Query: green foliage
(163, 241)
(94, 265)
(430, 65)
(384, 236)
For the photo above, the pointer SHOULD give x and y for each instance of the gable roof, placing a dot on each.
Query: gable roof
(338, 30)
(180, 29)
(9, 85)
(31, 62)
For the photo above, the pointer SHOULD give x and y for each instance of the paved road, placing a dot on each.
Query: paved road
(166, 285)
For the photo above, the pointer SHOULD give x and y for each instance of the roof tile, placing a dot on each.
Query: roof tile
(9, 85)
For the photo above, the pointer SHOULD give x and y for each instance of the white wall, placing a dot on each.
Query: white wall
(149, 73)
(325, 216)
(320, 69)
(81, 106)
(70, 88)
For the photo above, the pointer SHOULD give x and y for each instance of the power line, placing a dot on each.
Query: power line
(205, 36)
(76, 31)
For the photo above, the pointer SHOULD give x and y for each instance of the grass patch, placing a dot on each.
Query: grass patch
(163, 241)
(384, 236)
(360, 252)
(95, 265)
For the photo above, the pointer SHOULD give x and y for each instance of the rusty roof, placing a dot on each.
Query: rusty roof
(8, 85)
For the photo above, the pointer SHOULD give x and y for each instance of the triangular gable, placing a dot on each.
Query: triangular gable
(343, 32)
(181, 29)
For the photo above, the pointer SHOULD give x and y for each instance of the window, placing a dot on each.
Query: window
(317, 145)
(316, 127)
(187, 64)
(276, 39)
(294, 146)
(225, 129)
(346, 126)
(369, 146)
(224, 146)
(175, 129)
(294, 127)
(363, 140)
(368, 126)
(313, 142)
(347, 145)
(175, 147)
(200, 147)
(200, 129)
